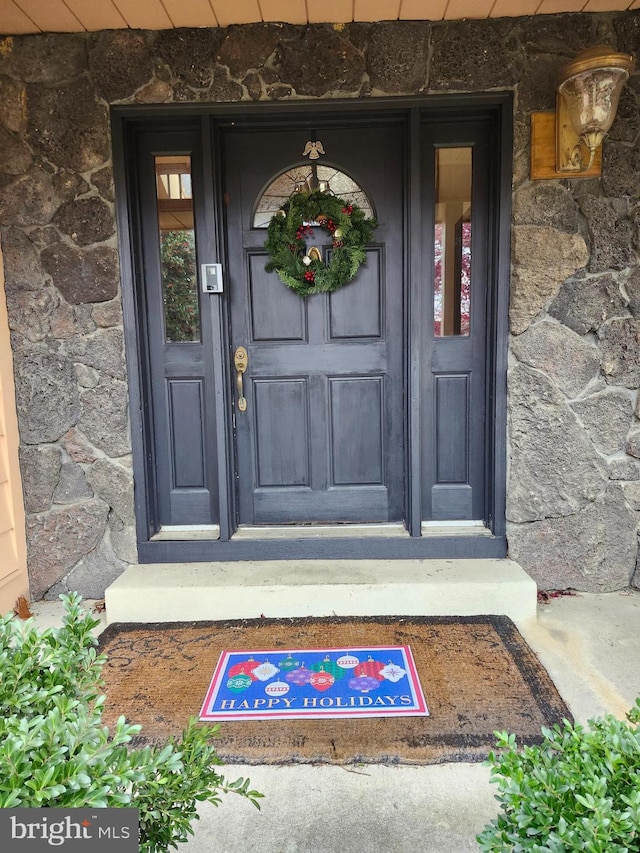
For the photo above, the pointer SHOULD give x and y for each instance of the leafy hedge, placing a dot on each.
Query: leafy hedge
(577, 791)
(55, 752)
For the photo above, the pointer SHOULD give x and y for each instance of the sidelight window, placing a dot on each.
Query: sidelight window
(177, 248)
(452, 243)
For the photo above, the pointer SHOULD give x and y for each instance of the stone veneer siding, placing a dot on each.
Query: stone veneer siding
(574, 418)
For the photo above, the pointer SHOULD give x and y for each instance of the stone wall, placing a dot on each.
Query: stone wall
(574, 474)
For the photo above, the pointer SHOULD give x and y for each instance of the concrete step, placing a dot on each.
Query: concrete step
(177, 592)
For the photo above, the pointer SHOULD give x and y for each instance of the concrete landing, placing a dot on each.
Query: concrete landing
(174, 592)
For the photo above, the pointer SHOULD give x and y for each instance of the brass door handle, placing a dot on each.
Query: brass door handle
(240, 360)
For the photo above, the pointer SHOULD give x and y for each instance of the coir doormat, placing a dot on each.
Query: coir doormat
(320, 684)
(478, 674)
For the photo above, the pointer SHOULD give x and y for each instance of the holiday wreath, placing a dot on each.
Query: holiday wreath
(304, 270)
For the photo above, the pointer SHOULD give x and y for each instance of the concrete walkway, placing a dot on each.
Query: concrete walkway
(589, 644)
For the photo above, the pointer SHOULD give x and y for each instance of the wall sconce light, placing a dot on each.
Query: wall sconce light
(567, 143)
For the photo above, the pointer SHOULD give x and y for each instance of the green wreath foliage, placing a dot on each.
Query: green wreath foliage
(292, 226)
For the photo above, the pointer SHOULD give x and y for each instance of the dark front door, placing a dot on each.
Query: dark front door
(384, 401)
(322, 436)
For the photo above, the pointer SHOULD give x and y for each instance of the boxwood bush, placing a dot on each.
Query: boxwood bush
(579, 790)
(55, 751)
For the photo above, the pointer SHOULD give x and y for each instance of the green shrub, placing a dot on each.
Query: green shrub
(577, 791)
(55, 752)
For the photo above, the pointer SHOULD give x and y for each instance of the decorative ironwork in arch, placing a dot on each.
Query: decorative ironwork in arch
(303, 178)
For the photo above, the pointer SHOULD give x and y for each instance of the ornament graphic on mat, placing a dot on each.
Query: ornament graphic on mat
(238, 683)
(393, 672)
(370, 667)
(299, 676)
(348, 661)
(322, 680)
(277, 688)
(329, 666)
(288, 664)
(265, 671)
(364, 683)
(245, 667)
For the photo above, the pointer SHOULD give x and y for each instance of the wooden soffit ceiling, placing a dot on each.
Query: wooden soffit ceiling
(34, 16)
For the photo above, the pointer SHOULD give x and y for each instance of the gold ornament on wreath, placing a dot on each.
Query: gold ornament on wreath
(303, 269)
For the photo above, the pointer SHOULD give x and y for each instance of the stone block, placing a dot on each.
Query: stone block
(570, 361)
(633, 443)
(632, 494)
(611, 233)
(102, 180)
(621, 170)
(85, 220)
(223, 89)
(95, 572)
(29, 200)
(554, 470)
(13, 113)
(189, 54)
(58, 540)
(398, 56)
(472, 56)
(123, 540)
(155, 92)
(546, 204)
(620, 345)
(77, 126)
(250, 46)
(103, 351)
(593, 550)
(584, 303)
(22, 267)
(624, 468)
(321, 62)
(90, 275)
(72, 484)
(31, 312)
(15, 156)
(114, 485)
(120, 62)
(40, 472)
(542, 259)
(48, 58)
(105, 420)
(77, 446)
(69, 185)
(632, 286)
(107, 314)
(46, 395)
(607, 419)
(562, 36)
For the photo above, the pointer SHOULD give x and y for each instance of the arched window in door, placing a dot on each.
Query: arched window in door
(304, 178)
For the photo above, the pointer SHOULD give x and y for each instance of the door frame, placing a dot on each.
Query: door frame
(127, 123)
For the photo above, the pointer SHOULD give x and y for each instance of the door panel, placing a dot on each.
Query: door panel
(357, 312)
(323, 436)
(281, 427)
(357, 409)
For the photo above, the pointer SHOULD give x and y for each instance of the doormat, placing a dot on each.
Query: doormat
(278, 684)
(477, 672)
